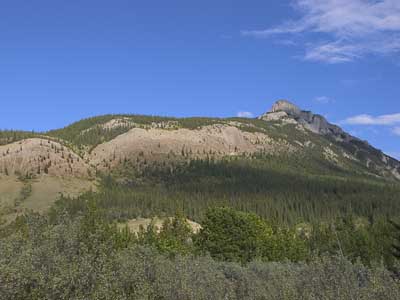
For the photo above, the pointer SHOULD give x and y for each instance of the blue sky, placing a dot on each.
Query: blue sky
(64, 60)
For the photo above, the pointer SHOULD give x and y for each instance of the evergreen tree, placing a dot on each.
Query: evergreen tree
(232, 235)
(396, 243)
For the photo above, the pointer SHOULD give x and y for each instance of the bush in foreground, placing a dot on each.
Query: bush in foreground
(86, 258)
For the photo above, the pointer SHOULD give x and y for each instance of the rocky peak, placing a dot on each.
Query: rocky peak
(285, 111)
(285, 106)
(288, 113)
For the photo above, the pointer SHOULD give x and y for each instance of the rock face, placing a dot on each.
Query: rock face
(287, 112)
(285, 106)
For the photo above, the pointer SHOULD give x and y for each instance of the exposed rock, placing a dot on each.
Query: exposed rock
(285, 106)
(135, 225)
(287, 113)
(284, 110)
(330, 155)
(275, 116)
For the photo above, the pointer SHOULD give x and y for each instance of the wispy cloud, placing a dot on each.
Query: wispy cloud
(333, 52)
(396, 131)
(388, 120)
(352, 28)
(286, 42)
(323, 100)
(245, 114)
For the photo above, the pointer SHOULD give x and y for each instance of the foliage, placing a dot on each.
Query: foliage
(231, 235)
(354, 238)
(283, 190)
(175, 237)
(286, 244)
(396, 243)
(11, 136)
(78, 258)
(273, 226)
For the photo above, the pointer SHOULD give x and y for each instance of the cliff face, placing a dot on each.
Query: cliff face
(285, 110)
(289, 113)
(285, 106)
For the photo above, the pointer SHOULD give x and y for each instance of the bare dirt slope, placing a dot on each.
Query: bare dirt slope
(35, 172)
(37, 156)
(216, 139)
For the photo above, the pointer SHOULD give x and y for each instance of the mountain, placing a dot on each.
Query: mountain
(286, 142)
(287, 112)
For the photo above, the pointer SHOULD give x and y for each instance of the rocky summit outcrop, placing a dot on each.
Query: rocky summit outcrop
(290, 113)
(285, 106)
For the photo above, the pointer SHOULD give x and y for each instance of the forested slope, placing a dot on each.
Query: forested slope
(288, 206)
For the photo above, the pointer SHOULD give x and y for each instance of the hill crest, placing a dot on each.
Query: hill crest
(286, 128)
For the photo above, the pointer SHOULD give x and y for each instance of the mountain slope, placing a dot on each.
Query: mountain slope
(286, 143)
(375, 160)
(107, 140)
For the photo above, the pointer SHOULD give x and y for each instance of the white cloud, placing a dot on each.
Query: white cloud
(352, 28)
(286, 42)
(323, 100)
(388, 120)
(245, 114)
(396, 131)
(334, 52)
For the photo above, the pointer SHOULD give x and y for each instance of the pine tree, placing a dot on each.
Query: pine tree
(396, 243)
